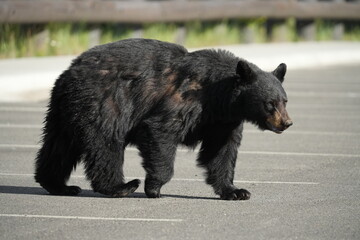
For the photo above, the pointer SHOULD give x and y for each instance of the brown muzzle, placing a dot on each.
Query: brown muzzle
(280, 120)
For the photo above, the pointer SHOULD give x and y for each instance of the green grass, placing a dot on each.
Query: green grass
(73, 38)
(324, 30)
(284, 31)
(160, 31)
(352, 34)
(37, 40)
(12, 41)
(114, 32)
(211, 33)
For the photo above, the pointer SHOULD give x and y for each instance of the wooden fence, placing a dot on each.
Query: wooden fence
(180, 11)
(140, 11)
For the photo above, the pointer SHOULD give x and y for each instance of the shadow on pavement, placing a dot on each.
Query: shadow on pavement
(85, 193)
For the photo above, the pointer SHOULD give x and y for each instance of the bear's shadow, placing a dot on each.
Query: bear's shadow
(86, 193)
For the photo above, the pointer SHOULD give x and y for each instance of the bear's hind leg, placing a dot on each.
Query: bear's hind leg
(158, 153)
(159, 166)
(54, 162)
(104, 168)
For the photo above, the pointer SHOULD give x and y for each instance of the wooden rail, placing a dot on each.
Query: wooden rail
(41, 11)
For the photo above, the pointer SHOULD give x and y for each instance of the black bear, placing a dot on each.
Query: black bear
(155, 96)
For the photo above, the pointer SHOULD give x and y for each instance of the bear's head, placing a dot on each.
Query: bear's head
(263, 99)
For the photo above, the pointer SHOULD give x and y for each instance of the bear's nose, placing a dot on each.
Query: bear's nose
(288, 123)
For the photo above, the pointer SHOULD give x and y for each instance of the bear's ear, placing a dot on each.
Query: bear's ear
(280, 71)
(244, 71)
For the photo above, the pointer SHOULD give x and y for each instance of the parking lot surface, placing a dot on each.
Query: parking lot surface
(305, 182)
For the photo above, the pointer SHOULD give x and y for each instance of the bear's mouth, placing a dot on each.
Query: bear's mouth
(273, 128)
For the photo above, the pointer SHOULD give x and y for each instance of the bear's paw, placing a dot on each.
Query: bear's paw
(237, 194)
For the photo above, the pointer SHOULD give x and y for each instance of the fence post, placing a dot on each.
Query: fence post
(42, 38)
(94, 37)
(249, 34)
(307, 28)
(277, 30)
(138, 32)
(339, 28)
(180, 34)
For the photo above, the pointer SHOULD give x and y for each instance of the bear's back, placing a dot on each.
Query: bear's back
(139, 50)
(126, 59)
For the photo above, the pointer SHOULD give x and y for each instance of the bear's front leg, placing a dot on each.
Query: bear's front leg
(218, 155)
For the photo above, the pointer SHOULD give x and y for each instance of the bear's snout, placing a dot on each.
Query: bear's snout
(279, 121)
(288, 123)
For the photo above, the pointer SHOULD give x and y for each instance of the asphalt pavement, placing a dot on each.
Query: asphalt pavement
(305, 182)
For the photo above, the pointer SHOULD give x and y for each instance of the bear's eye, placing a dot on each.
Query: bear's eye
(270, 106)
(285, 102)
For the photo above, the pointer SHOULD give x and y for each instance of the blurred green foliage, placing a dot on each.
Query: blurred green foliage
(73, 38)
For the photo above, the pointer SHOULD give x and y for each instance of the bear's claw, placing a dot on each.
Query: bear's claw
(237, 194)
(127, 188)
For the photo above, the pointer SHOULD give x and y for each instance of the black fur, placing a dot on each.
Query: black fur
(153, 95)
